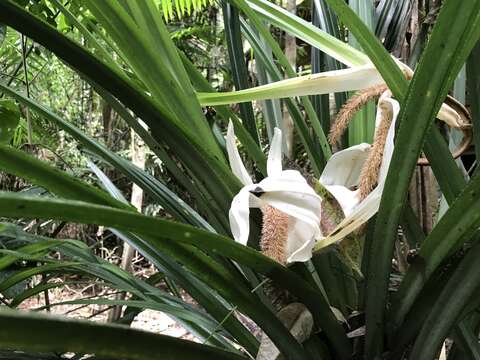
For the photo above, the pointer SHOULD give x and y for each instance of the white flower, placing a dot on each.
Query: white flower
(341, 178)
(285, 190)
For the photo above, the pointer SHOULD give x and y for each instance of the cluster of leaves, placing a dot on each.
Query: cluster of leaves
(130, 60)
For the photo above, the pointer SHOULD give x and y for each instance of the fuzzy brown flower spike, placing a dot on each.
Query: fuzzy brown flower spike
(274, 234)
(371, 168)
(350, 108)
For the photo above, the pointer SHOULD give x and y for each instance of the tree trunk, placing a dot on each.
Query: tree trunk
(107, 119)
(138, 159)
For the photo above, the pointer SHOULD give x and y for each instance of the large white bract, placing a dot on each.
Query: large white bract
(341, 178)
(285, 190)
(289, 192)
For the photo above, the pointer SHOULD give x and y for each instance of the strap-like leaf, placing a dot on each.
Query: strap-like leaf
(444, 52)
(26, 331)
(162, 234)
(448, 307)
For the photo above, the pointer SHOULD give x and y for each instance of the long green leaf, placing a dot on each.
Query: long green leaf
(197, 290)
(119, 279)
(33, 291)
(309, 33)
(237, 63)
(456, 294)
(146, 34)
(16, 162)
(386, 65)
(40, 333)
(443, 54)
(15, 205)
(33, 251)
(458, 224)
(21, 166)
(362, 127)
(26, 274)
(175, 311)
(213, 171)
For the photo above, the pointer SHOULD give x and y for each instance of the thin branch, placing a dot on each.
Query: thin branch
(25, 71)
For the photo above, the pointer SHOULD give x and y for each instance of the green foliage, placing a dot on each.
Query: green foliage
(92, 59)
(181, 8)
(9, 119)
(3, 32)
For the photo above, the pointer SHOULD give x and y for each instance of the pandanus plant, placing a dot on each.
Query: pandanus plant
(346, 310)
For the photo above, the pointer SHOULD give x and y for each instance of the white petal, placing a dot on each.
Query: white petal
(361, 214)
(284, 179)
(301, 240)
(389, 143)
(350, 79)
(239, 213)
(347, 199)
(291, 194)
(369, 206)
(274, 162)
(404, 67)
(342, 173)
(239, 217)
(234, 158)
(344, 167)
